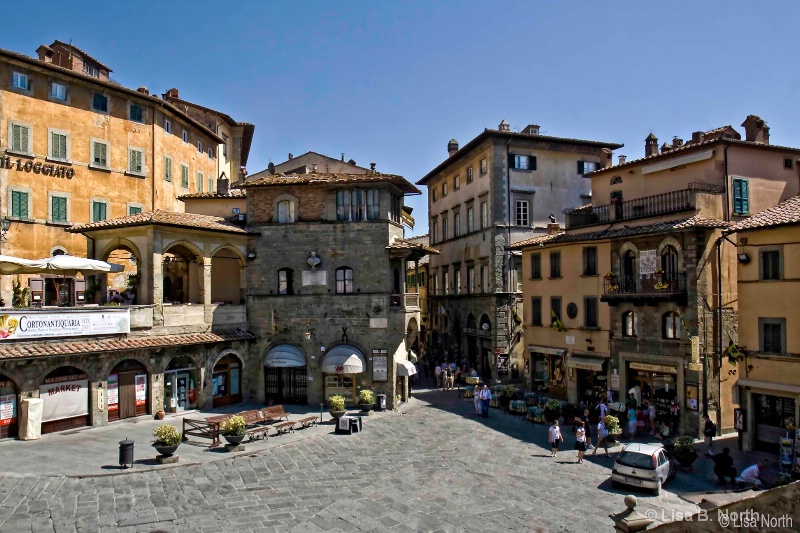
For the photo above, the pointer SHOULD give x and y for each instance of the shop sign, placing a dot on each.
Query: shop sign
(654, 368)
(691, 397)
(570, 339)
(113, 392)
(141, 389)
(477, 332)
(695, 349)
(380, 365)
(615, 382)
(546, 350)
(65, 399)
(8, 409)
(502, 365)
(46, 169)
(20, 325)
(583, 366)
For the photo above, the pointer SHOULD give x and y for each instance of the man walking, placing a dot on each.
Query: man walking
(602, 437)
(709, 431)
(486, 397)
(437, 373)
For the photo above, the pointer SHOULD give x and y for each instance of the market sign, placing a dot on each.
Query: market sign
(65, 399)
(654, 368)
(22, 325)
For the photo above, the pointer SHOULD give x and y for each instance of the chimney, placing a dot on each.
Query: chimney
(676, 142)
(665, 148)
(698, 136)
(553, 226)
(223, 185)
(532, 129)
(342, 157)
(504, 126)
(622, 159)
(372, 167)
(172, 93)
(314, 167)
(291, 156)
(650, 145)
(143, 90)
(45, 54)
(755, 129)
(452, 147)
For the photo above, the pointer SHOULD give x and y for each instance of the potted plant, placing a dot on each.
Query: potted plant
(233, 429)
(610, 276)
(167, 439)
(661, 286)
(366, 400)
(658, 273)
(683, 450)
(612, 426)
(506, 394)
(336, 406)
(552, 410)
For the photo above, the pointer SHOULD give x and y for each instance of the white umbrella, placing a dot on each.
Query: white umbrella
(16, 265)
(69, 265)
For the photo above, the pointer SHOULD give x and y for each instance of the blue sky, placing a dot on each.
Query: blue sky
(393, 82)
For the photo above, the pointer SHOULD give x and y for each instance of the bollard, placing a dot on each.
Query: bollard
(381, 399)
(630, 520)
(125, 453)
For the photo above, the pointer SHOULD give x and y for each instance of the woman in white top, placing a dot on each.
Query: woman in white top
(477, 399)
(555, 437)
(580, 440)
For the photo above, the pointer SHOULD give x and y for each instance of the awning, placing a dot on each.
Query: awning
(344, 359)
(406, 368)
(586, 363)
(412, 356)
(285, 356)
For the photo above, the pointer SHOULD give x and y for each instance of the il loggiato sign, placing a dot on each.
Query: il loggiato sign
(46, 169)
(16, 326)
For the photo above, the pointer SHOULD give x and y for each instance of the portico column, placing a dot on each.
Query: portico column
(206, 281)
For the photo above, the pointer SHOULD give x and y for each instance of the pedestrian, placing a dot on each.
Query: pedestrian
(602, 437)
(602, 409)
(709, 431)
(580, 440)
(674, 414)
(632, 422)
(449, 379)
(651, 412)
(723, 466)
(476, 398)
(663, 430)
(554, 435)
(587, 428)
(632, 402)
(437, 373)
(752, 475)
(486, 397)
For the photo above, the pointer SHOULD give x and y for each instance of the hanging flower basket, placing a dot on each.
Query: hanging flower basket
(659, 273)
(610, 276)
(662, 286)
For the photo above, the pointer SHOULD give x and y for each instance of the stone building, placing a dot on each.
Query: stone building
(418, 276)
(327, 295)
(500, 188)
(314, 162)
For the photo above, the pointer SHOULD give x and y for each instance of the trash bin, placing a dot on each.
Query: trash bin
(125, 453)
(381, 401)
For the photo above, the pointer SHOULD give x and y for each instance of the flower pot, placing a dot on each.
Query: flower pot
(160, 415)
(166, 451)
(337, 414)
(234, 439)
(686, 459)
(366, 407)
(613, 437)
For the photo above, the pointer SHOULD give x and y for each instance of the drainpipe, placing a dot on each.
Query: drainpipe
(507, 257)
(153, 165)
(727, 199)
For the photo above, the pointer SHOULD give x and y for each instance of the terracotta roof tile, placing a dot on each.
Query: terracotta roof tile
(21, 350)
(407, 244)
(786, 212)
(315, 178)
(232, 193)
(83, 53)
(167, 218)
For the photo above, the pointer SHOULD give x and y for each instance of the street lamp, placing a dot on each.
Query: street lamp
(5, 225)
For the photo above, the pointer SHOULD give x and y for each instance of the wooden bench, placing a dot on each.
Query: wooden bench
(275, 412)
(284, 427)
(258, 432)
(205, 429)
(307, 421)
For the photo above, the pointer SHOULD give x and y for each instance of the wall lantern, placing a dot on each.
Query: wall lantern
(308, 334)
(743, 258)
(251, 255)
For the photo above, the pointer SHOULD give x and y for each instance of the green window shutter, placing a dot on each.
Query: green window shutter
(132, 210)
(16, 137)
(532, 162)
(745, 197)
(199, 182)
(167, 169)
(511, 161)
(19, 204)
(184, 176)
(100, 154)
(59, 209)
(580, 168)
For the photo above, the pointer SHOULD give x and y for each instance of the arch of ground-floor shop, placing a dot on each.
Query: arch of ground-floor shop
(9, 392)
(227, 276)
(128, 389)
(226, 379)
(341, 368)
(65, 395)
(285, 374)
(182, 384)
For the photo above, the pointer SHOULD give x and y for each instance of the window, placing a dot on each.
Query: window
(770, 265)
(469, 174)
(167, 125)
(373, 204)
(20, 138)
(359, 205)
(446, 281)
(184, 175)
(21, 81)
(199, 182)
(484, 166)
(669, 263)
(484, 215)
(91, 70)
(470, 219)
(616, 180)
(672, 325)
(536, 310)
(211, 153)
(99, 211)
(630, 324)
(185, 136)
(470, 279)
(484, 278)
(434, 232)
(458, 281)
(456, 224)
(210, 185)
(435, 195)
(225, 146)
(444, 227)
(590, 312)
(522, 162)
(100, 102)
(19, 204)
(58, 208)
(434, 283)
(773, 337)
(99, 154)
(134, 209)
(285, 212)
(555, 308)
(555, 264)
(590, 261)
(167, 168)
(58, 145)
(536, 266)
(344, 280)
(58, 91)
(135, 161)
(136, 112)
(285, 285)
(444, 189)
(584, 167)
(787, 162)
(523, 218)
(343, 200)
(457, 183)
(741, 196)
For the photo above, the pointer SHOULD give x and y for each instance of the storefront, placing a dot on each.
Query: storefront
(548, 370)
(656, 384)
(339, 369)
(65, 395)
(128, 390)
(589, 372)
(180, 382)
(285, 375)
(405, 371)
(775, 417)
(226, 381)
(8, 408)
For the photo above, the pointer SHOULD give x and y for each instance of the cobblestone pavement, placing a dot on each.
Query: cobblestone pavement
(432, 468)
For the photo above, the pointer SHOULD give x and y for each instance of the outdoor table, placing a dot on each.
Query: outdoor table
(348, 424)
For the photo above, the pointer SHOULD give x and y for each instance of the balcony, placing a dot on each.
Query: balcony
(408, 301)
(645, 291)
(651, 346)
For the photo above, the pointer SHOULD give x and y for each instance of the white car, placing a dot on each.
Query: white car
(642, 465)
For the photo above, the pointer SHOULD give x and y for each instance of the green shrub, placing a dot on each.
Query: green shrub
(366, 396)
(683, 445)
(612, 424)
(167, 435)
(336, 402)
(235, 425)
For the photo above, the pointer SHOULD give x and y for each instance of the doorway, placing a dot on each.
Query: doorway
(127, 390)
(285, 385)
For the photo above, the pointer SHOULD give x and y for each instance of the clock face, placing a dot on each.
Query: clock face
(485, 326)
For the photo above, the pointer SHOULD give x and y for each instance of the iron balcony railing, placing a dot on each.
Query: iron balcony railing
(627, 285)
(409, 300)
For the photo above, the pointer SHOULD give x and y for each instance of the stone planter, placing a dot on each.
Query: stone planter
(613, 437)
(234, 439)
(366, 408)
(160, 414)
(166, 451)
(686, 459)
(337, 414)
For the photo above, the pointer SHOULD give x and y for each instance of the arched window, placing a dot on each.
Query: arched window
(285, 212)
(630, 324)
(344, 280)
(629, 272)
(285, 281)
(616, 180)
(672, 325)
(669, 262)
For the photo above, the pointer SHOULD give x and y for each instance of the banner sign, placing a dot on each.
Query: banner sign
(380, 365)
(113, 392)
(65, 399)
(654, 368)
(32, 325)
(141, 389)
(648, 262)
(8, 409)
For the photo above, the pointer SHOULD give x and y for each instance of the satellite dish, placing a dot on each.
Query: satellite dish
(271, 168)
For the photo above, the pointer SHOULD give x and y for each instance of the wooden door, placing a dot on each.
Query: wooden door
(127, 394)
